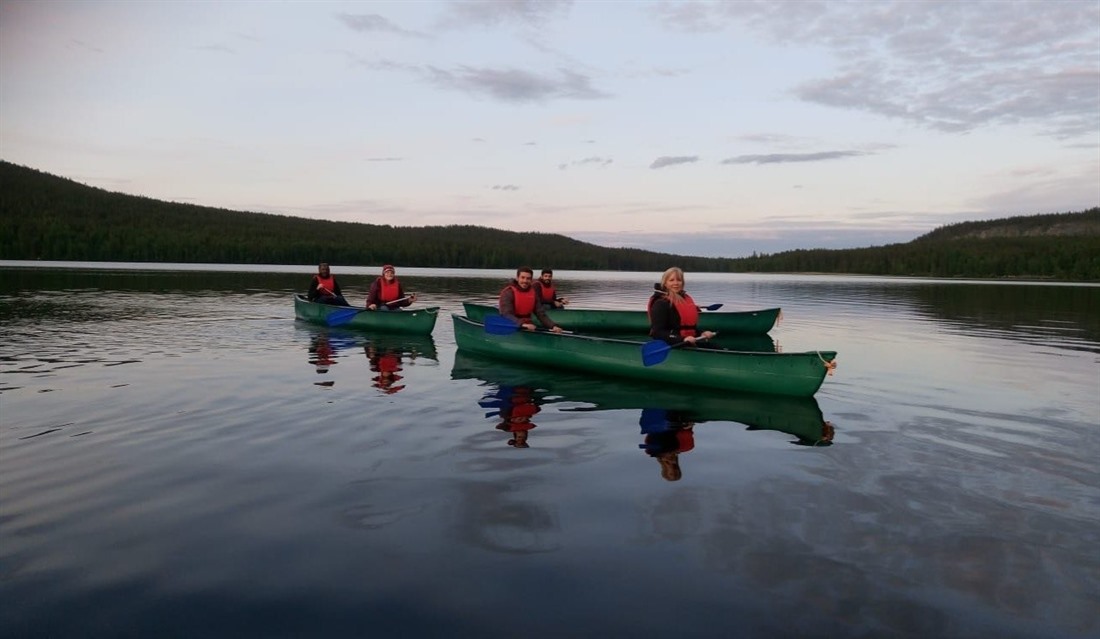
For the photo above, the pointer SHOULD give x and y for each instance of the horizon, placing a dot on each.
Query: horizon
(695, 129)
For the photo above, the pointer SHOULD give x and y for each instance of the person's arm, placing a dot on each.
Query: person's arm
(336, 287)
(663, 324)
(544, 319)
(312, 293)
(374, 295)
(409, 299)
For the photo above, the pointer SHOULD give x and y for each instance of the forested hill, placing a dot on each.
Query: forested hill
(51, 218)
(43, 216)
(1056, 225)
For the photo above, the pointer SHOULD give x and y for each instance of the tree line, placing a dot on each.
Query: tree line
(43, 216)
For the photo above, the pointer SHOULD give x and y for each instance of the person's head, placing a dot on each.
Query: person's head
(547, 276)
(322, 269)
(519, 439)
(388, 272)
(524, 275)
(670, 466)
(673, 280)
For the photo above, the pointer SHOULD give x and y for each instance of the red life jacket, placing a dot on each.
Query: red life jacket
(524, 301)
(389, 291)
(389, 363)
(685, 440)
(327, 283)
(686, 309)
(689, 316)
(548, 293)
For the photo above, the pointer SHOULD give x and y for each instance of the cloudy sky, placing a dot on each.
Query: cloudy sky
(702, 128)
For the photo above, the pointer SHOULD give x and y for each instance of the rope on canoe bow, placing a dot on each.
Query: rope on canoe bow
(829, 365)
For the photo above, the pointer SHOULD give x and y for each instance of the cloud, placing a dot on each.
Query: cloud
(488, 13)
(953, 67)
(216, 48)
(374, 23)
(84, 45)
(505, 187)
(515, 85)
(780, 158)
(597, 160)
(668, 160)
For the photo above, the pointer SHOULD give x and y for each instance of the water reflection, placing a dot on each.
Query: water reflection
(667, 434)
(324, 353)
(389, 354)
(667, 413)
(515, 407)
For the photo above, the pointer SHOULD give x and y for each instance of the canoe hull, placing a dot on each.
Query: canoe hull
(636, 322)
(797, 416)
(420, 321)
(791, 374)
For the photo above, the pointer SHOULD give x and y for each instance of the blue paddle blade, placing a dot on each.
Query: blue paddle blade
(654, 352)
(713, 307)
(497, 325)
(342, 316)
(653, 420)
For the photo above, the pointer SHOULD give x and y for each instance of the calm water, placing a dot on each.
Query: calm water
(179, 457)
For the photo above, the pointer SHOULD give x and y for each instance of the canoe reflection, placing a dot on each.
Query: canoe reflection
(323, 352)
(799, 417)
(388, 355)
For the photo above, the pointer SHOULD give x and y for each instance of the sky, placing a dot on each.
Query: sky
(696, 128)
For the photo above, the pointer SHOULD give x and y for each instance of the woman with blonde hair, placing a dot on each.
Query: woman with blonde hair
(673, 315)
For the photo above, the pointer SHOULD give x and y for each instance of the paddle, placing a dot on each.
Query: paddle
(656, 351)
(345, 315)
(500, 325)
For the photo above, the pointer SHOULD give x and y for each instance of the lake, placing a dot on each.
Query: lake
(180, 457)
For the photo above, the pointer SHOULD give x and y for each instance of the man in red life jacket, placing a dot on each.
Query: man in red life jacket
(673, 315)
(324, 289)
(386, 293)
(518, 302)
(546, 293)
(516, 412)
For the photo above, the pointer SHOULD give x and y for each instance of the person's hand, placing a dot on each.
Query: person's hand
(528, 326)
(556, 329)
(689, 340)
(564, 301)
(707, 335)
(373, 307)
(412, 298)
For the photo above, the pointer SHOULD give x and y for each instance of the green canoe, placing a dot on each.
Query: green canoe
(590, 320)
(793, 374)
(418, 321)
(797, 416)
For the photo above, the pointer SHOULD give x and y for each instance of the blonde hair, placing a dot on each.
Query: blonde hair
(669, 272)
(670, 466)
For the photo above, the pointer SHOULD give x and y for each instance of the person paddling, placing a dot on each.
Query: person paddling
(323, 287)
(518, 302)
(386, 293)
(673, 315)
(547, 293)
